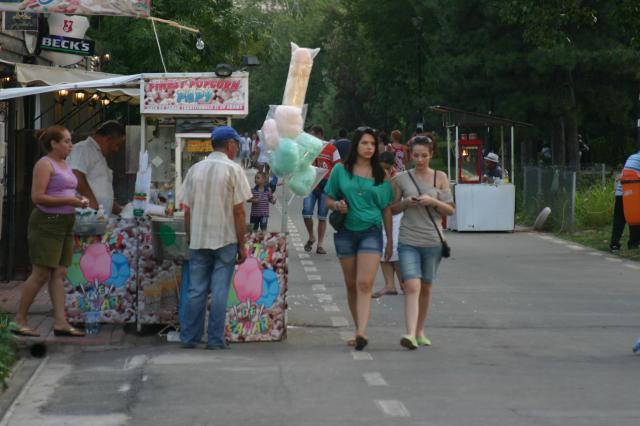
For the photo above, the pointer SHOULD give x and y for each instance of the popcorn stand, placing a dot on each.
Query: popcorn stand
(479, 206)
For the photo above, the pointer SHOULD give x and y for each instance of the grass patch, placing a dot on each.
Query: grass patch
(7, 349)
(598, 238)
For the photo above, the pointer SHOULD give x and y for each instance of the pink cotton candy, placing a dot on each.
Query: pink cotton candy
(247, 280)
(95, 263)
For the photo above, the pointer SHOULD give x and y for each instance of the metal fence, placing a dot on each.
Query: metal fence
(556, 188)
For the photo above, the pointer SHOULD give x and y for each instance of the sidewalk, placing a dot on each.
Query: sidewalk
(41, 319)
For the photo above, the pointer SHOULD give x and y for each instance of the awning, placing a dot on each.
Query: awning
(459, 117)
(115, 86)
(40, 75)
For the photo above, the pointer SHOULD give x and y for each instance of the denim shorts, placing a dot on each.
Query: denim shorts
(316, 196)
(419, 262)
(350, 243)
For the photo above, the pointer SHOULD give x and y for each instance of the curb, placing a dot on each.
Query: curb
(23, 373)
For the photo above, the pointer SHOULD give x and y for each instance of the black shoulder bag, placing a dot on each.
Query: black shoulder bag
(336, 218)
(446, 250)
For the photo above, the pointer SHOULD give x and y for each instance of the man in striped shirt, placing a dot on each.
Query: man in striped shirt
(633, 163)
(214, 193)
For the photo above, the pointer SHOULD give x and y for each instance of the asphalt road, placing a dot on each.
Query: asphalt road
(526, 329)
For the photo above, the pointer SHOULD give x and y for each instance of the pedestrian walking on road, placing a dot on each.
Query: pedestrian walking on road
(50, 230)
(391, 268)
(214, 192)
(357, 188)
(328, 157)
(421, 193)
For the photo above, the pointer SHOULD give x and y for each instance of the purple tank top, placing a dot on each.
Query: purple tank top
(63, 183)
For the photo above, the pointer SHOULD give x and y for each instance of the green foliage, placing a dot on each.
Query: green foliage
(7, 349)
(594, 206)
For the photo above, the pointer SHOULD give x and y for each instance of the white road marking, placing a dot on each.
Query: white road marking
(145, 378)
(374, 379)
(339, 321)
(135, 362)
(361, 356)
(574, 247)
(324, 297)
(314, 277)
(297, 244)
(393, 408)
(595, 253)
(304, 255)
(306, 262)
(124, 388)
(331, 308)
(545, 237)
(319, 287)
(613, 259)
(310, 269)
(299, 248)
(636, 267)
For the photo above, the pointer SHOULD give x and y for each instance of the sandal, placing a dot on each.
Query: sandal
(23, 330)
(69, 332)
(361, 342)
(308, 246)
(351, 342)
(384, 292)
(321, 250)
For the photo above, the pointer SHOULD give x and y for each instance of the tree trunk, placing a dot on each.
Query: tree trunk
(558, 145)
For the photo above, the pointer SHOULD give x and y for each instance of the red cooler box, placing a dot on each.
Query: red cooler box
(631, 195)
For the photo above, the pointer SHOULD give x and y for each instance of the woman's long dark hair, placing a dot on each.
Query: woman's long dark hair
(352, 156)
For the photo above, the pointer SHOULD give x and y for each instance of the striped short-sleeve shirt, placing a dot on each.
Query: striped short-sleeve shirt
(211, 188)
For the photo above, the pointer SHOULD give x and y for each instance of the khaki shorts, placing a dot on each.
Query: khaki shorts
(50, 238)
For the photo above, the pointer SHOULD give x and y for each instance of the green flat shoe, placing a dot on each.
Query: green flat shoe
(409, 342)
(423, 341)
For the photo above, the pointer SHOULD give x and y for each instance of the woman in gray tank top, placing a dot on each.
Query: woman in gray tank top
(419, 245)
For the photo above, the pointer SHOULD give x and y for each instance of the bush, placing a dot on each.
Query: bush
(7, 349)
(594, 206)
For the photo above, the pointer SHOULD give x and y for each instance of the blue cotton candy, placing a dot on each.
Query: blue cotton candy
(310, 148)
(302, 181)
(285, 159)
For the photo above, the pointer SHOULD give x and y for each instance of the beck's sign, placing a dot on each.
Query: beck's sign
(74, 46)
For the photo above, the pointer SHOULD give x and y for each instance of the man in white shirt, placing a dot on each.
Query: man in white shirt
(88, 160)
(214, 193)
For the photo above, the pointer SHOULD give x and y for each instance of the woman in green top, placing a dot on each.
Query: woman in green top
(357, 188)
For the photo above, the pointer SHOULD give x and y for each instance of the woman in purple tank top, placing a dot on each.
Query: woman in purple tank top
(50, 231)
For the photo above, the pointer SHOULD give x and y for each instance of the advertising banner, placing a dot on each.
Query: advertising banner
(20, 21)
(80, 7)
(228, 96)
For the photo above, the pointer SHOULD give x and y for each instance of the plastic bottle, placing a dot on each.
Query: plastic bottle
(636, 347)
(171, 203)
(102, 217)
(505, 176)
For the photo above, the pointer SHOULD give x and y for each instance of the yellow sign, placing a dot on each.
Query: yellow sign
(199, 145)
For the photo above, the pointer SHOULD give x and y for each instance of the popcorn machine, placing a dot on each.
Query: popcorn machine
(470, 162)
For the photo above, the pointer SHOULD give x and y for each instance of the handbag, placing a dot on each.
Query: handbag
(446, 249)
(336, 218)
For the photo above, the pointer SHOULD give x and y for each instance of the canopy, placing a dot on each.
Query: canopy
(462, 118)
(42, 79)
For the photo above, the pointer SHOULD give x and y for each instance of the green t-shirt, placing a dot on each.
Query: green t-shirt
(365, 200)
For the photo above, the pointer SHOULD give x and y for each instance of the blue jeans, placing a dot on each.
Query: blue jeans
(309, 202)
(351, 243)
(209, 270)
(419, 262)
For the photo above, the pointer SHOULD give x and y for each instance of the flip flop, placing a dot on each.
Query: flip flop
(23, 330)
(69, 332)
(321, 250)
(351, 342)
(309, 245)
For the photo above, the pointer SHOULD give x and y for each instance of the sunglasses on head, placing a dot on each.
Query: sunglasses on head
(365, 129)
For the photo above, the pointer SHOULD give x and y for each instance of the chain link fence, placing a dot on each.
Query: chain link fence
(558, 188)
